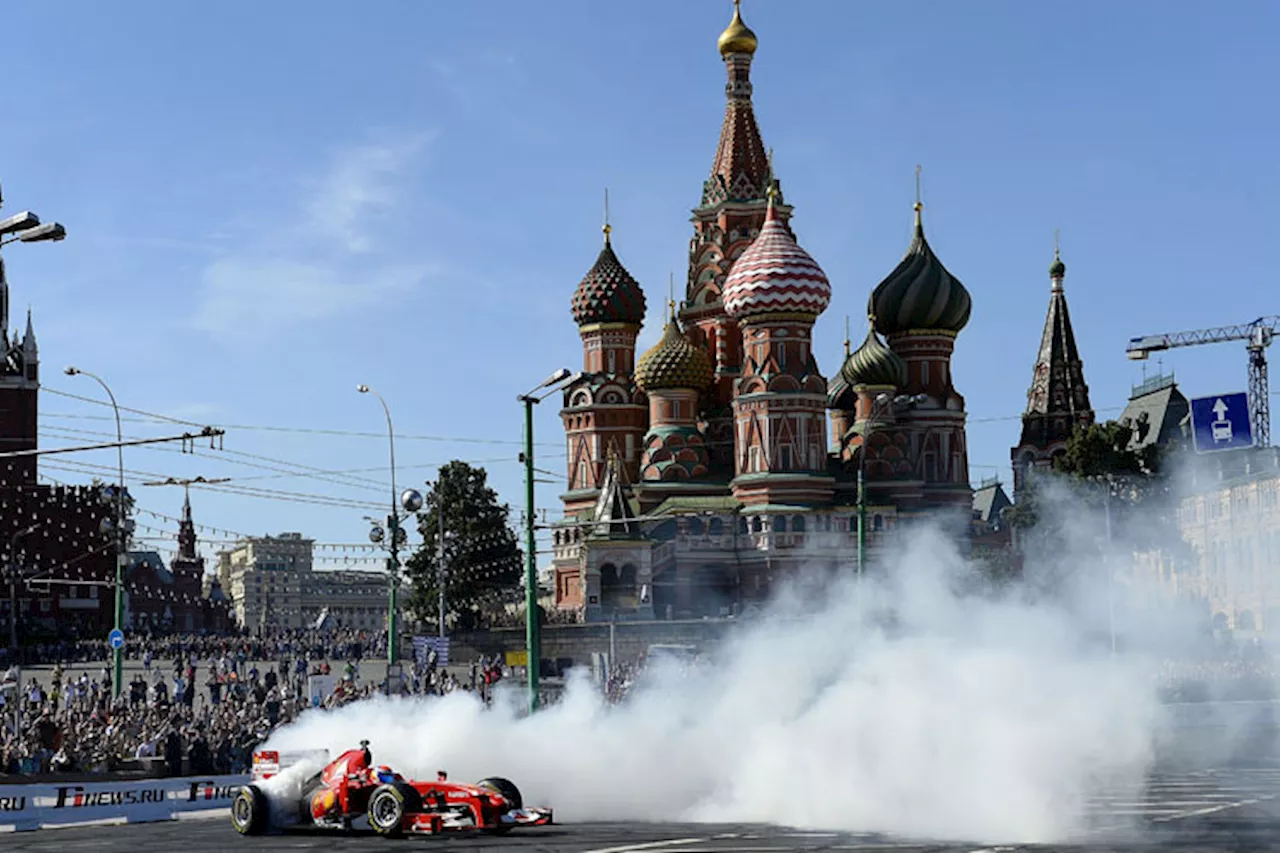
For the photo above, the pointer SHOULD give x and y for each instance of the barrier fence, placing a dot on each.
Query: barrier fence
(51, 804)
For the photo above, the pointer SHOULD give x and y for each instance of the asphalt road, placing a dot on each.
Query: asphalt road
(1223, 811)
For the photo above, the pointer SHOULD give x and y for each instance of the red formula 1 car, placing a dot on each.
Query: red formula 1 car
(351, 787)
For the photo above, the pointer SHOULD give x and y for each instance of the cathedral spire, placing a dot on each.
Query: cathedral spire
(29, 337)
(741, 168)
(1058, 399)
(186, 528)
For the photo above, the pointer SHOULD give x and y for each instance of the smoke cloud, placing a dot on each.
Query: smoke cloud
(899, 705)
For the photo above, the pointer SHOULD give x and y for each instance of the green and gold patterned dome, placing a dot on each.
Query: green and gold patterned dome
(673, 362)
(873, 363)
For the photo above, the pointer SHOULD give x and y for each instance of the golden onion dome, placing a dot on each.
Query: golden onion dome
(737, 37)
(673, 362)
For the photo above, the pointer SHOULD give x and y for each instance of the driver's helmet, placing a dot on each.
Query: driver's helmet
(384, 775)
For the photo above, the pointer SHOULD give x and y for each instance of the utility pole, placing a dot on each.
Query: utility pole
(533, 631)
(440, 573)
(14, 568)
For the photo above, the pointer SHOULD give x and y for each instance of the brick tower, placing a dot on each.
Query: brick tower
(1058, 399)
(774, 293)
(603, 408)
(920, 309)
(726, 220)
(19, 393)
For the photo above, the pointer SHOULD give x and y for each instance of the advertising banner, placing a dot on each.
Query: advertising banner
(213, 792)
(28, 807)
(320, 688)
(18, 807)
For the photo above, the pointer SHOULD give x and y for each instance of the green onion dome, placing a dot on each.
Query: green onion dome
(920, 294)
(873, 363)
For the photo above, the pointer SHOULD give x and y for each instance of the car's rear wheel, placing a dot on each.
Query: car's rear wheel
(249, 811)
(506, 789)
(386, 812)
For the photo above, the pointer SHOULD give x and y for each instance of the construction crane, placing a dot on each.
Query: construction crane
(1257, 337)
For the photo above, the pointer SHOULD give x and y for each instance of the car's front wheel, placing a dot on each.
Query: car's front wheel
(249, 811)
(387, 810)
(506, 789)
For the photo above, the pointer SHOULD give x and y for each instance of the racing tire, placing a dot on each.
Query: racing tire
(388, 805)
(249, 811)
(506, 789)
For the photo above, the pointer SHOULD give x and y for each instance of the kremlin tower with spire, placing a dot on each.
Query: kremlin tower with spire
(701, 474)
(1058, 399)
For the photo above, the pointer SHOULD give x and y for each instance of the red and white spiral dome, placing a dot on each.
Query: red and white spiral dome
(775, 276)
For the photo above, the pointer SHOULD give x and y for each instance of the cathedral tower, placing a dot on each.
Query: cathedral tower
(603, 408)
(19, 393)
(774, 293)
(673, 373)
(1058, 399)
(726, 220)
(920, 309)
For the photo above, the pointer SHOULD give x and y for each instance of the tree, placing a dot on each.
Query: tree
(1127, 489)
(110, 510)
(481, 558)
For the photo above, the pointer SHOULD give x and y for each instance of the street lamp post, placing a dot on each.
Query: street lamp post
(881, 404)
(122, 557)
(533, 630)
(1108, 485)
(394, 536)
(13, 584)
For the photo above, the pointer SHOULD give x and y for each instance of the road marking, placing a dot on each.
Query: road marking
(1215, 809)
(627, 848)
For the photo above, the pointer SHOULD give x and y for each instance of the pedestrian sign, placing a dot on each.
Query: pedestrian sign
(116, 638)
(1221, 422)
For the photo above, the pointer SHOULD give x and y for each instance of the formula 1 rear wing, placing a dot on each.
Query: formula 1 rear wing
(270, 762)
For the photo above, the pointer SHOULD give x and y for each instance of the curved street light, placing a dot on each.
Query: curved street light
(117, 654)
(394, 537)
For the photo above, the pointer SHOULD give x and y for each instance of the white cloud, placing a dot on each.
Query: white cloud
(361, 189)
(243, 300)
(302, 269)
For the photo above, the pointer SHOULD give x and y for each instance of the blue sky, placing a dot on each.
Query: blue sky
(269, 203)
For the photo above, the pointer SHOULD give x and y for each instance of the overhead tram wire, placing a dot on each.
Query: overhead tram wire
(290, 429)
(310, 472)
(71, 466)
(307, 472)
(236, 535)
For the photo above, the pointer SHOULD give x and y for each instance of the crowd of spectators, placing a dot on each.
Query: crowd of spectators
(1247, 671)
(75, 726)
(213, 699)
(198, 715)
(330, 644)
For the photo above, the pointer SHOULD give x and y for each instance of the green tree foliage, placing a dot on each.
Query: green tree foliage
(1099, 470)
(129, 508)
(483, 563)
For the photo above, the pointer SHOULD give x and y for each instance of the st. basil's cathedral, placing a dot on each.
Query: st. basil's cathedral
(723, 460)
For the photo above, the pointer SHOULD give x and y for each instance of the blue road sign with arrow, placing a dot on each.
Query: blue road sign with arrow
(116, 638)
(1221, 422)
